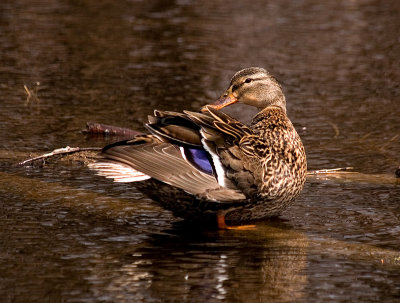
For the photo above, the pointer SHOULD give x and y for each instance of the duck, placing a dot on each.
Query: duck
(207, 164)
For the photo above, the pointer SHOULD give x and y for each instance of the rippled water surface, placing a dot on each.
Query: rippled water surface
(69, 236)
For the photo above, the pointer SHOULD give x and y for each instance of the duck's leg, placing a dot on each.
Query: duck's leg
(222, 224)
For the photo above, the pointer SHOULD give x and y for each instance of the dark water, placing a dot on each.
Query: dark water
(69, 236)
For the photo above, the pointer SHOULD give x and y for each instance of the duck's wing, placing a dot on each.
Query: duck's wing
(197, 152)
(226, 140)
(212, 136)
(148, 156)
(176, 128)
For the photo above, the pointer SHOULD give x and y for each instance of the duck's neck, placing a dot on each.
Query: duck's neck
(269, 117)
(267, 112)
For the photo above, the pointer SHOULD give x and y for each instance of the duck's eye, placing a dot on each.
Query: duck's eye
(248, 80)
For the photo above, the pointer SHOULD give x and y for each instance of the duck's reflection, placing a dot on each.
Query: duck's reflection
(246, 266)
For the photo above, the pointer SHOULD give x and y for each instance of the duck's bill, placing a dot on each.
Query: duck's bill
(222, 102)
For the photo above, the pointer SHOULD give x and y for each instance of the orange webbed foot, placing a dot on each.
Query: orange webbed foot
(222, 224)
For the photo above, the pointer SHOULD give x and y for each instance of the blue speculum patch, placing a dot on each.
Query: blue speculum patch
(199, 159)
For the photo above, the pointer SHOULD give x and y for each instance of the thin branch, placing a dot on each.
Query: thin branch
(32, 94)
(335, 128)
(329, 170)
(60, 151)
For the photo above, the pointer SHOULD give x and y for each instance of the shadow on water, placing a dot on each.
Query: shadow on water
(69, 236)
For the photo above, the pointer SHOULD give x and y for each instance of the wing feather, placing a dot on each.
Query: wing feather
(160, 156)
(164, 162)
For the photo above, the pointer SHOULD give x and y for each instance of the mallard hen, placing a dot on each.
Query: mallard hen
(208, 164)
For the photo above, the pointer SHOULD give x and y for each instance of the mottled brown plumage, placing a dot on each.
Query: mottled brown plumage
(200, 164)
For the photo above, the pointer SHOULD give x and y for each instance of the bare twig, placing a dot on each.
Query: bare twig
(335, 128)
(373, 143)
(60, 151)
(329, 170)
(32, 94)
(365, 136)
(383, 146)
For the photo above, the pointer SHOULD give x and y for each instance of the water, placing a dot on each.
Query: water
(69, 236)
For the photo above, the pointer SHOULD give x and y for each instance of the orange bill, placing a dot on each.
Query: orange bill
(224, 100)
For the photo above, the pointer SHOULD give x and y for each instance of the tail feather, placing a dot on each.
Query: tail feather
(118, 171)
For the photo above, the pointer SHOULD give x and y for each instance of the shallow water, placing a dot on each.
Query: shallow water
(69, 236)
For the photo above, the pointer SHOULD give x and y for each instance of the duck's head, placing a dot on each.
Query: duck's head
(253, 86)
